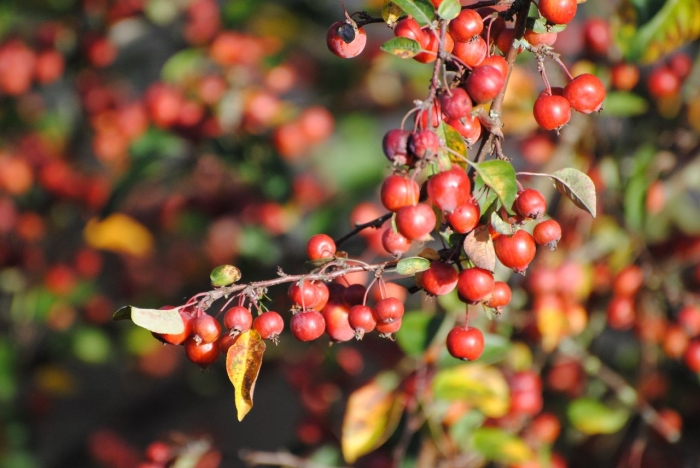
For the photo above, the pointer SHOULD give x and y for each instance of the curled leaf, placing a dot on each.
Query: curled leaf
(576, 186)
(371, 416)
(243, 362)
(412, 265)
(402, 47)
(479, 248)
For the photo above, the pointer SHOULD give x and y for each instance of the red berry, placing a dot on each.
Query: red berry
(558, 11)
(394, 243)
(238, 319)
(158, 452)
(307, 325)
(500, 296)
(484, 83)
(689, 320)
(207, 328)
(411, 29)
(675, 342)
(387, 329)
(177, 338)
(202, 354)
(320, 246)
(423, 144)
(439, 279)
(415, 222)
(662, 83)
(430, 45)
(544, 429)
(345, 39)
(628, 281)
(585, 93)
(269, 325)
(624, 76)
(498, 62)
(621, 313)
(456, 103)
(388, 310)
(337, 325)
(538, 39)
(537, 148)
(399, 191)
(464, 218)
(322, 296)
(362, 319)
(465, 343)
(692, 356)
(516, 251)
(303, 294)
(597, 35)
(395, 145)
(530, 204)
(469, 127)
(450, 189)
(547, 233)
(472, 52)
(475, 284)
(466, 25)
(551, 112)
(681, 65)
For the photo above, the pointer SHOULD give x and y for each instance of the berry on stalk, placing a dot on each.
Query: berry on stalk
(551, 111)
(484, 83)
(320, 246)
(465, 343)
(516, 251)
(345, 39)
(585, 93)
(269, 325)
(547, 233)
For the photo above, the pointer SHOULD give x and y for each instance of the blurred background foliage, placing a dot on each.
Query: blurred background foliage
(144, 142)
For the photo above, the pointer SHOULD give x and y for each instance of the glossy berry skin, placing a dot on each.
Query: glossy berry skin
(466, 344)
(585, 93)
(472, 52)
(475, 284)
(450, 189)
(466, 25)
(469, 127)
(484, 83)
(423, 144)
(269, 325)
(387, 329)
(337, 325)
(395, 145)
(177, 338)
(455, 104)
(388, 310)
(394, 243)
(551, 112)
(439, 279)
(307, 325)
(362, 319)
(464, 218)
(415, 222)
(530, 204)
(207, 328)
(538, 39)
(662, 82)
(547, 233)
(336, 35)
(320, 246)
(498, 62)
(303, 295)
(397, 192)
(202, 354)
(516, 251)
(238, 319)
(322, 296)
(558, 11)
(411, 29)
(500, 296)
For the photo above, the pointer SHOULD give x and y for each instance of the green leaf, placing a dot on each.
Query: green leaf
(402, 47)
(223, 275)
(412, 265)
(454, 141)
(500, 446)
(591, 417)
(422, 10)
(622, 104)
(501, 226)
(500, 177)
(577, 187)
(183, 65)
(417, 331)
(449, 9)
(155, 320)
(675, 24)
(539, 25)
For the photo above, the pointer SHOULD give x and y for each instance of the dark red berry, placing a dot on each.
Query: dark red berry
(423, 144)
(484, 83)
(475, 284)
(362, 319)
(465, 343)
(456, 103)
(238, 319)
(269, 325)
(307, 325)
(206, 328)
(202, 354)
(395, 145)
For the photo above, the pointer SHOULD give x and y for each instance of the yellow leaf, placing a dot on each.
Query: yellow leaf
(477, 384)
(552, 325)
(119, 233)
(243, 362)
(391, 12)
(372, 413)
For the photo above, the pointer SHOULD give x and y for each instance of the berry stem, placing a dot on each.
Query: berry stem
(375, 223)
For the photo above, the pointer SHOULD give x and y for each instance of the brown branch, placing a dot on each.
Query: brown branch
(375, 223)
(257, 458)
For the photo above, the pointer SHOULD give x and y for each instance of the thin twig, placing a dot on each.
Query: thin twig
(375, 223)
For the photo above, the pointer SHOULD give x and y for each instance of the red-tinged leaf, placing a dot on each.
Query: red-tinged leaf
(371, 416)
(243, 362)
(479, 248)
(155, 320)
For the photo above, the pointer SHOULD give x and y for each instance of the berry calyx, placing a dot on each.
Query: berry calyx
(206, 329)
(362, 319)
(466, 344)
(388, 310)
(547, 233)
(345, 39)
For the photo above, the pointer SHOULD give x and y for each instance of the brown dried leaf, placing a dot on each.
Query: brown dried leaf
(479, 248)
